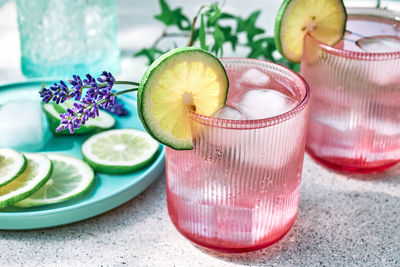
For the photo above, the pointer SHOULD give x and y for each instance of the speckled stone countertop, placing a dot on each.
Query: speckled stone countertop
(343, 220)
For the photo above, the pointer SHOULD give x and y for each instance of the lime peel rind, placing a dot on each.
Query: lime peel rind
(306, 23)
(18, 165)
(163, 63)
(105, 165)
(80, 166)
(13, 192)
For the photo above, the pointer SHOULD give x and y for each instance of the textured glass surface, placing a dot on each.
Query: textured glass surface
(238, 189)
(62, 37)
(354, 122)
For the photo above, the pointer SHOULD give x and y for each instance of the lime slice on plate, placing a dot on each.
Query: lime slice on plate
(104, 122)
(119, 151)
(37, 173)
(71, 177)
(12, 164)
(325, 20)
(180, 80)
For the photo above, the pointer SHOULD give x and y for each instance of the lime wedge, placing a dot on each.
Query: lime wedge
(53, 117)
(180, 80)
(71, 178)
(103, 122)
(37, 173)
(325, 20)
(119, 151)
(12, 164)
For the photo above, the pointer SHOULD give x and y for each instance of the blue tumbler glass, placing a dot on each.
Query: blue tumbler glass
(62, 37)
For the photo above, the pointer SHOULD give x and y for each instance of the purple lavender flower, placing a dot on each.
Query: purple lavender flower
(77, 87)
(99, 95)
(106, 77)
(69, 121)
(46, 95)
(118, 109)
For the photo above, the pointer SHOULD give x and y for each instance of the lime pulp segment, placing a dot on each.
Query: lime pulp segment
(71, 177)
(119, 151)
(178, 82)
(37, 173)
(325, 20)
(12, 164)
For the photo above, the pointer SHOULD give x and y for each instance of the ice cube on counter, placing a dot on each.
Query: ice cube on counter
(379, 44)
(230, 113)
(263, 103)
(23, 125)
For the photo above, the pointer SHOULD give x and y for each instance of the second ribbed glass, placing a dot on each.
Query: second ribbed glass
(355, 109)
(238, 189)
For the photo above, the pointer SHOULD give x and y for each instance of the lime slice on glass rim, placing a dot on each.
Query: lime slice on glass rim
(180, 80)
(36, 174)
(325, 20)
(119, 151)
(104, 121)
(12, 164)
(71, 178)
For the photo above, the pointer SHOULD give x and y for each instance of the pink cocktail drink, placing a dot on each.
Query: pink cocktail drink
(354, 122)
(238, 189)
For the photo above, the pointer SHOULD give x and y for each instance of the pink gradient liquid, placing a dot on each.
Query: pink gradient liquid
(238, 189)
(354, 122)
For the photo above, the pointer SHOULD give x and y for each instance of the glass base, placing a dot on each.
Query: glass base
(109, 63)
(243, 249)
(347, 165)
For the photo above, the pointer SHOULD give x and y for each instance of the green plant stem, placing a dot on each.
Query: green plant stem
(125, 91)
(165, 34)
(115, 94)
(193, 27)
(127, 82)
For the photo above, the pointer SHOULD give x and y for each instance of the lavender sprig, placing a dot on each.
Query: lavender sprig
(98, 95)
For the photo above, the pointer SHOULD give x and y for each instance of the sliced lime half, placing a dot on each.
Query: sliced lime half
(71, 177)
(36, 174)
(325, 20)
(12, 164)
(119, 151)
(180, 80)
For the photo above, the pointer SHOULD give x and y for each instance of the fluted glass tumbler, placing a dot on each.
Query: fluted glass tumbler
(60, 38)
(238, 189)
(354, 122)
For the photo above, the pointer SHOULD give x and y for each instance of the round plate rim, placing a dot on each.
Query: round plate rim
(83, 209)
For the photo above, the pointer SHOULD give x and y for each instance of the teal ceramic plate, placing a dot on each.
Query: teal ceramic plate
(109, 191)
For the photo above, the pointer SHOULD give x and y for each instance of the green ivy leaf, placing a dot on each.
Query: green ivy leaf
(263, 47)
(213, 14)
(202, 34)
(211, 30)
(218, 41)
(151, 53)
(172, 17)
(249, 25)
(229, 36)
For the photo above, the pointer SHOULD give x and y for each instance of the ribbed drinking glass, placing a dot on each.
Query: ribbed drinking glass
(238, 189)
(354, 120)
(60, 38)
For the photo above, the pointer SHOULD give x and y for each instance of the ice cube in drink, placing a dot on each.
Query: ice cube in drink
(229, 113)
(263, 103)
(379, 44)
